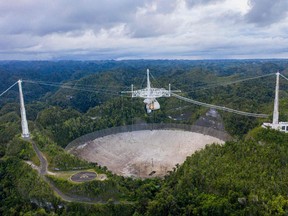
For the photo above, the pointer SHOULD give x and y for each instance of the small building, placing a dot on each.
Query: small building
(281, 126)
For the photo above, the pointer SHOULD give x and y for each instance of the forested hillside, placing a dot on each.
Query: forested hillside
(246, 176)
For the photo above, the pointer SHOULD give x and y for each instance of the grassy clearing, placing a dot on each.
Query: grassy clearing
(66, 175)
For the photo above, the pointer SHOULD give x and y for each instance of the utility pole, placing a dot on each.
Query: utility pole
(24, 124)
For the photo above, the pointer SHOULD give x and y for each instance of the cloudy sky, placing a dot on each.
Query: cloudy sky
(143, 29)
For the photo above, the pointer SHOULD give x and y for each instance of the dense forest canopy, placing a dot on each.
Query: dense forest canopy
(244, 176)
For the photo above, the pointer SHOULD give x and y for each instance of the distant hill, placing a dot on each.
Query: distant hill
(247, 176)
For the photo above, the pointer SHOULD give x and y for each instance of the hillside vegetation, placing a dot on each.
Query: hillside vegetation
(247, 176)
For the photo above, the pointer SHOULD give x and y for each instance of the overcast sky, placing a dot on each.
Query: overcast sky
(143, 29)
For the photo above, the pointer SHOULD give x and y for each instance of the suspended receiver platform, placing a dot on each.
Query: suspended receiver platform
(150, 94)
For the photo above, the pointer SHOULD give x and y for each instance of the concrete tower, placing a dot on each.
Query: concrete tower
(24, 124)
(276, 102)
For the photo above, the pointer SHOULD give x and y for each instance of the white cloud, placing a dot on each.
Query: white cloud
(140, 29)
(266, 12)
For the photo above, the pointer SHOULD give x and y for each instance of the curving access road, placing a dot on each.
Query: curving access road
(43, 171)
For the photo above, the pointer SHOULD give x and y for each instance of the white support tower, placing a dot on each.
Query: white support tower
(24, 123)
(282, 126)
(276, 102)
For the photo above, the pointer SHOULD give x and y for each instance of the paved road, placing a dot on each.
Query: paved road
(41, 157)
(43, 172)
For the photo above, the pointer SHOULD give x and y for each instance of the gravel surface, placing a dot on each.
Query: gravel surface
(83, 176)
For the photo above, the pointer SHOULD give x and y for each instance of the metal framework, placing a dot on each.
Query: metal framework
(150, 94)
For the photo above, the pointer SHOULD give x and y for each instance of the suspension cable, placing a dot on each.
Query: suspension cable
(214, 85)
(65, 86)
(220, 107)
(74, 83)
(173, 94)
(8, 89)
(283, 76)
